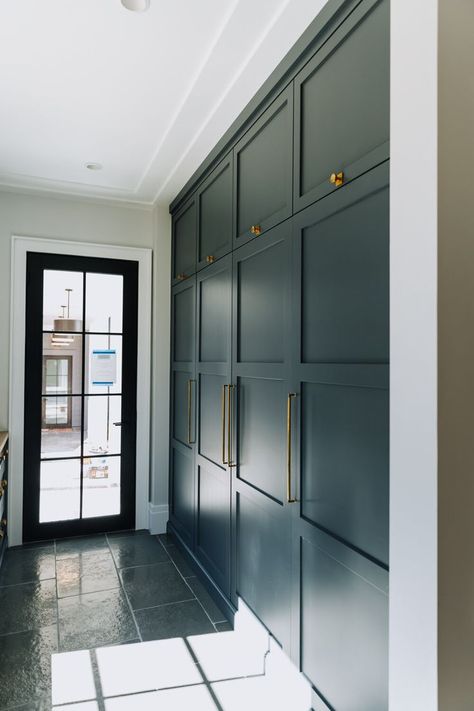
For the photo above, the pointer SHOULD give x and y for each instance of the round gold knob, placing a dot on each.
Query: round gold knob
(210, 258)
(336, 179)
(256, 230)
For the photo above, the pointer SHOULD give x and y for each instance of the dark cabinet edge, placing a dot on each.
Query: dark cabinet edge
(319, 31)
(216, 594)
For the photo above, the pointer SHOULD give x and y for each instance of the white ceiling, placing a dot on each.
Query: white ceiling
(147, 95)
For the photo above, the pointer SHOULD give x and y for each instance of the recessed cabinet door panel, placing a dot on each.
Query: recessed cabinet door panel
(344, 630)
(214, 372)
(263, 170)
(210, 418)
(344, 464)
(215, 214)
(214, 316)
(261, 280)
(342, 104)
(184, 242)
(183, 322)
(344, 256)
(262, 434)
(214, 522)
(263, 564)
(182, 492)
(183, 396)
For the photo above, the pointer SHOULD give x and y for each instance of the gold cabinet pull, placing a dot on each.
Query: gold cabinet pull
(256, 230)
(224, 389)
(190, 418)
(230, 409)
(289, 497)
(210, 258)
(181, 277)
(337, 179)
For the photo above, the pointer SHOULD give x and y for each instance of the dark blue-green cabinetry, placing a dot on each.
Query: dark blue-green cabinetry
(3, 492)
(279, 478)
(263, 171)
(214, 199)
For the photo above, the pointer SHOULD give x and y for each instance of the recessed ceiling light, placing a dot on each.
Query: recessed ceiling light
(93, 166)
(136, 5)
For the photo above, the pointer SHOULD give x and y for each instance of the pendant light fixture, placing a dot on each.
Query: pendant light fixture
(136, 5)
(64, 324)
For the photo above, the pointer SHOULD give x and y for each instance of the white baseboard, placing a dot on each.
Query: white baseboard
(158, 518)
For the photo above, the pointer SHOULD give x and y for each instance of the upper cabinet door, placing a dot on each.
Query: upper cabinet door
(215, 214)
(184, 242)
(342, 105)
(263, 171)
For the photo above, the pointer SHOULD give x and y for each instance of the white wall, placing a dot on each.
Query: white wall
(456, 357)
(161, 366)
(413, 356)
(38, 216)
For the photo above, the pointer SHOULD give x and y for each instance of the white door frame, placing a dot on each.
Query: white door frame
(20, 247)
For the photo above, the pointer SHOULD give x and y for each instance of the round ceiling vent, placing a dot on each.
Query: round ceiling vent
(136, 5)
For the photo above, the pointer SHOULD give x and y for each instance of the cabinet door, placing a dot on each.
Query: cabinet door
(263, 171)
(340, 376)
(215, 214)
(213, 483)
(183, 409)
(184, 242)
(342, 104)
(261, 356)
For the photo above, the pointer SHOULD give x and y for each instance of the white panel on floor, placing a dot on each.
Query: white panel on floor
(146, 666)
(258, 693)
(227, 655)
(72, 678)
(196, 698)
(87, 706)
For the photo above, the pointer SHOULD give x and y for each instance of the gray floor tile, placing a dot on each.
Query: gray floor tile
(136, 550)
(224, 627)
(71, 546)
(166, 539)
(86, 572)
(25, 671)
(180, 561)
(94, 620)
(27, 565)
(206, 600)
(151, 585)
(120, 534)
(28, 606)
(180, 619)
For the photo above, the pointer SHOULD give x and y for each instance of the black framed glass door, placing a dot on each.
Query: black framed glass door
(80, 395)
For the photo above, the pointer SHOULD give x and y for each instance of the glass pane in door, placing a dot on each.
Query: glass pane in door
(60, 497)
(61, 427)
(62, 301)
(101, 489)
(104, 303)
(102, 431)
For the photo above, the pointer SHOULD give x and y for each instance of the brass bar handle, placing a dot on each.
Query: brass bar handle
(230, 425)
(289, 497)
(224, 388)
(190, 417)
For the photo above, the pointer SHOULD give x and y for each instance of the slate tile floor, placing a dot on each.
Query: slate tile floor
(98, 591)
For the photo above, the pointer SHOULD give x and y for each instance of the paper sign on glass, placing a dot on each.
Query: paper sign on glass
(104, 367)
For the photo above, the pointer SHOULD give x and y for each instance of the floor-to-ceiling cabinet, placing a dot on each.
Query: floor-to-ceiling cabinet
(279, 478)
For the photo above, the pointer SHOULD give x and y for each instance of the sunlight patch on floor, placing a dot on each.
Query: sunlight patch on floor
(243, 670)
